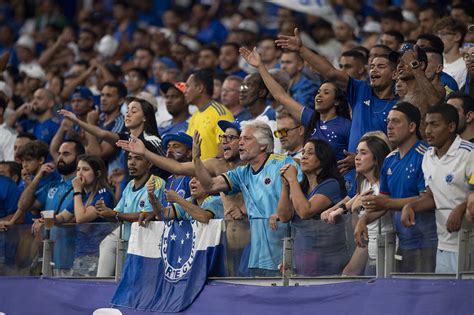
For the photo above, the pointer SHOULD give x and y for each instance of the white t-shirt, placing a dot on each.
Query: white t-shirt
(373, 227)
(448, 179)
(7, 141)
(457, 70)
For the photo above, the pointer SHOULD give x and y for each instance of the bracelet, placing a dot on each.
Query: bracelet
(77, 193)
(344, 207)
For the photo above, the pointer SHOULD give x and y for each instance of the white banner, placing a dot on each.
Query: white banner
(320, 8)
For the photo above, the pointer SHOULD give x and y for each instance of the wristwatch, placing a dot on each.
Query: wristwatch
(414, 64)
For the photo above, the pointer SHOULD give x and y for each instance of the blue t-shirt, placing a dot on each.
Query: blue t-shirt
(402, 178)
(9, 196)
(89, 236)
(180, 184)
(43, 131)
(215, 32)
(136, 200)
(211, 203)
(320, 248)
(243, 115)
(369, 113)
(304, 91)
(181, 126)
(448, 81)
(336, 131)
(261, 191)
(116, 126)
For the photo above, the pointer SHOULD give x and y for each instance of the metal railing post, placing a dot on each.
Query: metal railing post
(47, 269)
(380, 261)
(120, 255)
(287, 260)
(390, 241)
(463, 248)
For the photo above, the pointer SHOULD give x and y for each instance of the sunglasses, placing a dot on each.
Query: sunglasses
(283, 132)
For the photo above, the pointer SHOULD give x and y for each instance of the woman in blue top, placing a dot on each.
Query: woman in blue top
(319, 249)
(90, 185)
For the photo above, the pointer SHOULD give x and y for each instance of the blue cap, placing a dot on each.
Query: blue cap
(170, 64)
(82, 92)
(421, 54)
(224, 124)
(181, 137)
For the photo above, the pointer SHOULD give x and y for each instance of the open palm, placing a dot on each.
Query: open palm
(252, 57)
(292, 43)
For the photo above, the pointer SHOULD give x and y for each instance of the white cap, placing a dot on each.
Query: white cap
(409, 16)
(107, 46)
(5, 89)
(249, 26)
(34, 71)
(372, 27)
(146, 96)
(26, 41)
(350, 20)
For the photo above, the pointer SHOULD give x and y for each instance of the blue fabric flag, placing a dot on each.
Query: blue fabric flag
(168, 263)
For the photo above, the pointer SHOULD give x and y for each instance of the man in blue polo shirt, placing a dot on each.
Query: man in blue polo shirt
(401, 181)
(370, 103)
(56, 195)
(260, 188)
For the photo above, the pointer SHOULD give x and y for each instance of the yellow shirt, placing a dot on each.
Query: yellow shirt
(206, 123)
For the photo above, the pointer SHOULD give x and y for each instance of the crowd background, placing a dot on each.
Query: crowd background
(125, 111)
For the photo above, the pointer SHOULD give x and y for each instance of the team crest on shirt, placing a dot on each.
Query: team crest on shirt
(267, 181)
(367, 102)
(389, 172)
(142, 203)
(52, 192)
(178, 248)
(449, 178)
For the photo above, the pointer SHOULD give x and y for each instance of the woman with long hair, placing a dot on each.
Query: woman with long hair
(319, 249)
(90, 185)
(371, 152)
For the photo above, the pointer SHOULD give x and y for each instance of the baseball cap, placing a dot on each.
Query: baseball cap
(34, 71)
(180, 86)
(146, 96)
(26, 41)
(395, 55)
(82, 92)
(224, 124)
(181, 137)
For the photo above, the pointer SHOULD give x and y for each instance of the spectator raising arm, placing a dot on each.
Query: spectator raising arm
(277, 91)
(319, 63)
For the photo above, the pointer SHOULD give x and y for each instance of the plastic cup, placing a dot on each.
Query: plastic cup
(48, 216)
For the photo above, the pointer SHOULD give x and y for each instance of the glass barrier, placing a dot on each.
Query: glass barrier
(20, 252)
(466, 248)
(253, 248)
(83, 250)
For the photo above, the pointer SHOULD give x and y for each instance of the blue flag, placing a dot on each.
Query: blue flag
(168, 263)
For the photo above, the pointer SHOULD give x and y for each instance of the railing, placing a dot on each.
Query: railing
(293, 253)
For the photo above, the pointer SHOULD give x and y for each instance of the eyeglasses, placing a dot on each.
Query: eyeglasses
(442, 34)
(228, 138)
(244, 87)
(468, 56)
(283, 132)
(230, 91)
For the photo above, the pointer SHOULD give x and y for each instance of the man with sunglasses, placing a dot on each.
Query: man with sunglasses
(290, 132)
(229, 141)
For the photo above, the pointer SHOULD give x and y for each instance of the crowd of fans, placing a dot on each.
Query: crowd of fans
(339, 130)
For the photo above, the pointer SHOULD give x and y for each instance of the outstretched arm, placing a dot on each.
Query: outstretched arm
(277, 91)
(324, 67)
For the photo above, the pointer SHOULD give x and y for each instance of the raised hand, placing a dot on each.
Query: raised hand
(292, 43)
(68, 115)
(172, 196)
(46, 169)
(93, 116)
(197, 140)
(347, 163)
(133, 145)
(252, 57)
(289, 172)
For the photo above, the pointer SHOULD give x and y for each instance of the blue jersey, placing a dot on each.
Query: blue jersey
(336, 131)
(211, 203)
(181, 126)
(180, 184)
(369, 113)
(116, 126)
(261, 192)
(403, 178)
(448, 81)
(43, 131)
(136, 200)
(9, 195)
(243, 115)
(304, 91)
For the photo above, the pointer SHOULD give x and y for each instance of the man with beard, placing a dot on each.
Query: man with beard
(260, 188)
(134, 200)
(82, 103)
(111, 98)
(55, 195)
(229, 60)
(44, 125)
(233, 205)
(85, 43)
(412, 63)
